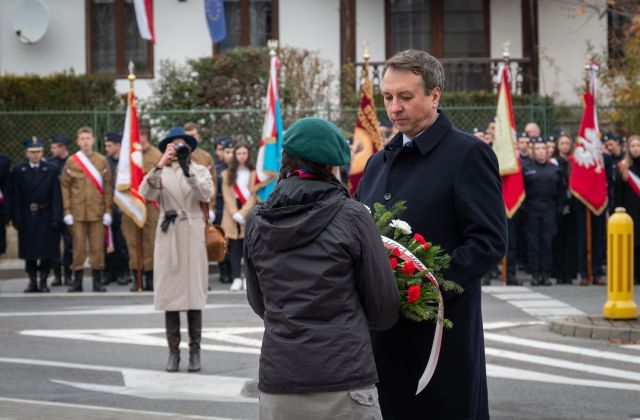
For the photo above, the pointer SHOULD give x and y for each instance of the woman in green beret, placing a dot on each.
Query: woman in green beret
(317, 274)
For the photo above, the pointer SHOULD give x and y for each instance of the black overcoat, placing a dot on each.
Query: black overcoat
(5, 214)
(452, 187)
(37, 210)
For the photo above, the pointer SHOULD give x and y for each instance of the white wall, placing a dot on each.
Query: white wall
(564, 34)
(61, 48)
(506, 25)
(370, 29)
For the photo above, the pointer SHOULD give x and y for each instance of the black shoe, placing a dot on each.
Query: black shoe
(76, 285)
(512, 280)
(67, 276)
(544, 279)
(536, 279)
(33, 283)
(43, 282)
(96, 276)
(148, 281)
(57, 276)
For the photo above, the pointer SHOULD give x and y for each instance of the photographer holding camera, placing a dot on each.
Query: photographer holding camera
(180, 258)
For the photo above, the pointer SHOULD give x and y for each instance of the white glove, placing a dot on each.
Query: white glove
(238, 218)
(106, 219)
(68, 219)
(212, 216)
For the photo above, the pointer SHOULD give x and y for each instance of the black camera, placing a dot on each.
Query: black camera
(182, 151)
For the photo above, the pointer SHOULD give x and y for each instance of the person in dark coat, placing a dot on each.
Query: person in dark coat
(61, 266)
(36, 214)
(223, 161)
(629, 198)
(544, 188)
(318, 275)
(5, 167)
(452, 188)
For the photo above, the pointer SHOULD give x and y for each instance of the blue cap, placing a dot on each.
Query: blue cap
(113, 136)
(523, 134)
(60, 139)
(34, 145)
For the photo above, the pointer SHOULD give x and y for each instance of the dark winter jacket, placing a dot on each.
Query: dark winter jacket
(318, 275)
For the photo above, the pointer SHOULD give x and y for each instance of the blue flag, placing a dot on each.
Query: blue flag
(214, 12)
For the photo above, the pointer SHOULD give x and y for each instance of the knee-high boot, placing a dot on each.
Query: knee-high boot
(44, 274)
(96, 276)
(195, 333)
(172, 327)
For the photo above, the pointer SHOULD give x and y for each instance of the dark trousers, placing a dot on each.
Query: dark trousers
(67, 249)
(32, 266)
(235, 257)
(565, 263)
(512, 242)
(117, 262)
(539, 232)
(597, 240)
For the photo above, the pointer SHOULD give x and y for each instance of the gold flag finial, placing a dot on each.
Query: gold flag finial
(365, 54)
(272, 44)
(505, 50)
(131, 76)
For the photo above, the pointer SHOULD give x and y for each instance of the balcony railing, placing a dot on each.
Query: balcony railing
(463, 74)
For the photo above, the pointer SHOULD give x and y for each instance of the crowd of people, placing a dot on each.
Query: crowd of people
(547, 235)
(63, 209)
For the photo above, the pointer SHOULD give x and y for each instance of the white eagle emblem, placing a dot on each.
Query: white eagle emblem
(588, 150)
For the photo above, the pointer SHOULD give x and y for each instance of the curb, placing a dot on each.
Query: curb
(596, 327)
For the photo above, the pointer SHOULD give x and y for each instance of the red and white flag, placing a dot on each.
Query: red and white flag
(144, 17)
(129, 173)
(588, 179)
(632, 179)
(504, 145)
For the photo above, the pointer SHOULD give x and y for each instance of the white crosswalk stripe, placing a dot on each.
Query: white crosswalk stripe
(532, 302)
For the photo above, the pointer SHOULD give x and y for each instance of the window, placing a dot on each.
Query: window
(113, 39)
(249, 22)
(446, 29)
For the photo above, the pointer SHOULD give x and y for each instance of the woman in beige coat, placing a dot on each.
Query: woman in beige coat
(180, 256)
(239, 193)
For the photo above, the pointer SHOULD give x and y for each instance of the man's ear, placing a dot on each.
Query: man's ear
(436, 94)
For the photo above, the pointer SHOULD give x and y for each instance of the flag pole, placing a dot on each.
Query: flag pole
(503, 277)
(132, 78)
(587, 68)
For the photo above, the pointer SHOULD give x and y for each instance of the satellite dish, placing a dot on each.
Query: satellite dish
(31, 20)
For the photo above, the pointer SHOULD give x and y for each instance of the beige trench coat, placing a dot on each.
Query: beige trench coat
(180, 259)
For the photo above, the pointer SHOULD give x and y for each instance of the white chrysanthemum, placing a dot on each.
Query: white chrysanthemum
(402, 225)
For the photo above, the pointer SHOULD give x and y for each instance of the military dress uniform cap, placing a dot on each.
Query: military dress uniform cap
(113, 136)
(221, 140)
(523, 134)
(536, 140)
(318, 141)
(34, 145)
(549, 139)
(60, 139)
(477, 130)
(613, 136)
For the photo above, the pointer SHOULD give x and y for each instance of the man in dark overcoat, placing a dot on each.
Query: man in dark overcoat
(5, 166)
(452, 188)
(36, 214)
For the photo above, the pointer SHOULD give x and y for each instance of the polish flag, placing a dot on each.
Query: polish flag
(144, 16)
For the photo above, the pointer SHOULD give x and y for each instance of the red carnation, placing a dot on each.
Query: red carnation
(419, 239)
(394, 263)
(408, 268)
(413, 293)
(396, 252)
(426, 246)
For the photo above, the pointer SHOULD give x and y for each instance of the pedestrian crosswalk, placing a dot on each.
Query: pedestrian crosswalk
(534, 303)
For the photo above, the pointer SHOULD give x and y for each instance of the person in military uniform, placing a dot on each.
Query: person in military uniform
(117, 262)
(5, 167)
(36, 214)
(87, 197)
(544, 188)
(150, 158)
(59, 155)
(223, 162)
(202, 157)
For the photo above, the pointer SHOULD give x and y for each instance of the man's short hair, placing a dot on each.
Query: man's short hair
(421, 63)
(145, 130)
(85, 129)
(191, 126)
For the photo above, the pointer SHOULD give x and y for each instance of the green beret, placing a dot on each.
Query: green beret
(317, 141)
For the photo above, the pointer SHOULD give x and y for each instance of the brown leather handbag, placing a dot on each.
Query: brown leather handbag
(214, 238)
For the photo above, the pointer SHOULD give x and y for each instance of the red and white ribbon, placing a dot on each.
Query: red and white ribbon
(634, 182)
(430, 369)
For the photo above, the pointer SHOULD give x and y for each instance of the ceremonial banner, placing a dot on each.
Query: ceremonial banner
(504, 144)
(216, 21)
(588, 179)
(270, 150)
(129, 172)
(144, 17)
(366, 138)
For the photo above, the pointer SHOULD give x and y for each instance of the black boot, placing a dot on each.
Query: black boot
(57, 275)
(512, 280)
(544, 279)
(134, 281)
(225, 274)
(33, 282)
(172, 327)
(124, 278)
(536, 280)
(43, 280)
(195, 333)
(96, 275)
(76, 285)
(148, 281)
(67, 276)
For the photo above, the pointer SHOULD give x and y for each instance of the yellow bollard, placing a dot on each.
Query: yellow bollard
(620, 304)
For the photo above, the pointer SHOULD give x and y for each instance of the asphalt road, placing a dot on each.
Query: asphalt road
(100, 356)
